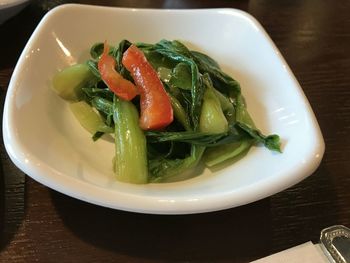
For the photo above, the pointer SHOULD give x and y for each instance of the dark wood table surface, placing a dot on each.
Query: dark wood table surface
(38, 224)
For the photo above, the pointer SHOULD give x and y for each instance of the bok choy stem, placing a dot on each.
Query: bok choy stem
(130, 162)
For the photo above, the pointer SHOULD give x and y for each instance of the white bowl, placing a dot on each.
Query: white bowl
(9, 8)
(45, 141)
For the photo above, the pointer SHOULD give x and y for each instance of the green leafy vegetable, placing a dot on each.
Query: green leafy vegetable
(88, 118)
(162, 169)
(130, 162)
(180, 113)
(68, 83)
(211, 120)
(227, 152)
(181, 77)
(96, 50)
(272, 142)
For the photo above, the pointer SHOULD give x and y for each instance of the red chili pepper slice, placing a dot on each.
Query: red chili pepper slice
(123, 88)
(156, 109)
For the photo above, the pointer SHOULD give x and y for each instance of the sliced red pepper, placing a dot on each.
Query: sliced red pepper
(156, 109)
(123, 88)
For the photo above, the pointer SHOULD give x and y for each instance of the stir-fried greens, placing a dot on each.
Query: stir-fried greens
(167, 107)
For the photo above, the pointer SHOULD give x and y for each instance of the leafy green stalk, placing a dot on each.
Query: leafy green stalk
(212, 118)
(88, 118)
(180, 113)
(181, 77)
(163, 169)
(205, 60)
(118, 53)
(217, 155)
(221, 80)
(197, 138)
(205, 64)
(130, 162)
(197, 90)
(225, 103)
(68, 83)
(102, 105)
(93, 68)
(242, 114)
(271, 142)
(245, 122)
(93, 92)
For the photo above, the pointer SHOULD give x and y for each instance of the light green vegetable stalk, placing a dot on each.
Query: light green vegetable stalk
(180, 113)
(242, 114)
(212, 118)
(88, 118)
(225, 103)
(217, 155)
(130, 162)
(68, 82)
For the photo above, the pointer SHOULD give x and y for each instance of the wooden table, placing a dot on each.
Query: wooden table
(41, 225)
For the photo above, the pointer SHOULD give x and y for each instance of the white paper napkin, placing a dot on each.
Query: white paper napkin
(304, 253)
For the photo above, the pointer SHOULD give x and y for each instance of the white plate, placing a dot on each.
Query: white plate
(45, 141)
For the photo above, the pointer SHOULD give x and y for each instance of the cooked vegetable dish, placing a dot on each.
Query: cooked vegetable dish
(166, 106)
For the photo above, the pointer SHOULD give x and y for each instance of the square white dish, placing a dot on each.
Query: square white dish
(44, 140)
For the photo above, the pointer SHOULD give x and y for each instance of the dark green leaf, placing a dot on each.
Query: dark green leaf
(242, 114)
(93, 68)
(118, 53)
(272, 142)
(97, 135)
(231, 151)
(197, 89)
(180, 113)
(221, 80)
(102, 105)
(198, 138)
(158, 60)
(174, 46)
(163, 169)
(96, 50)
(92, 92)
(205, 59)
(181, 76)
